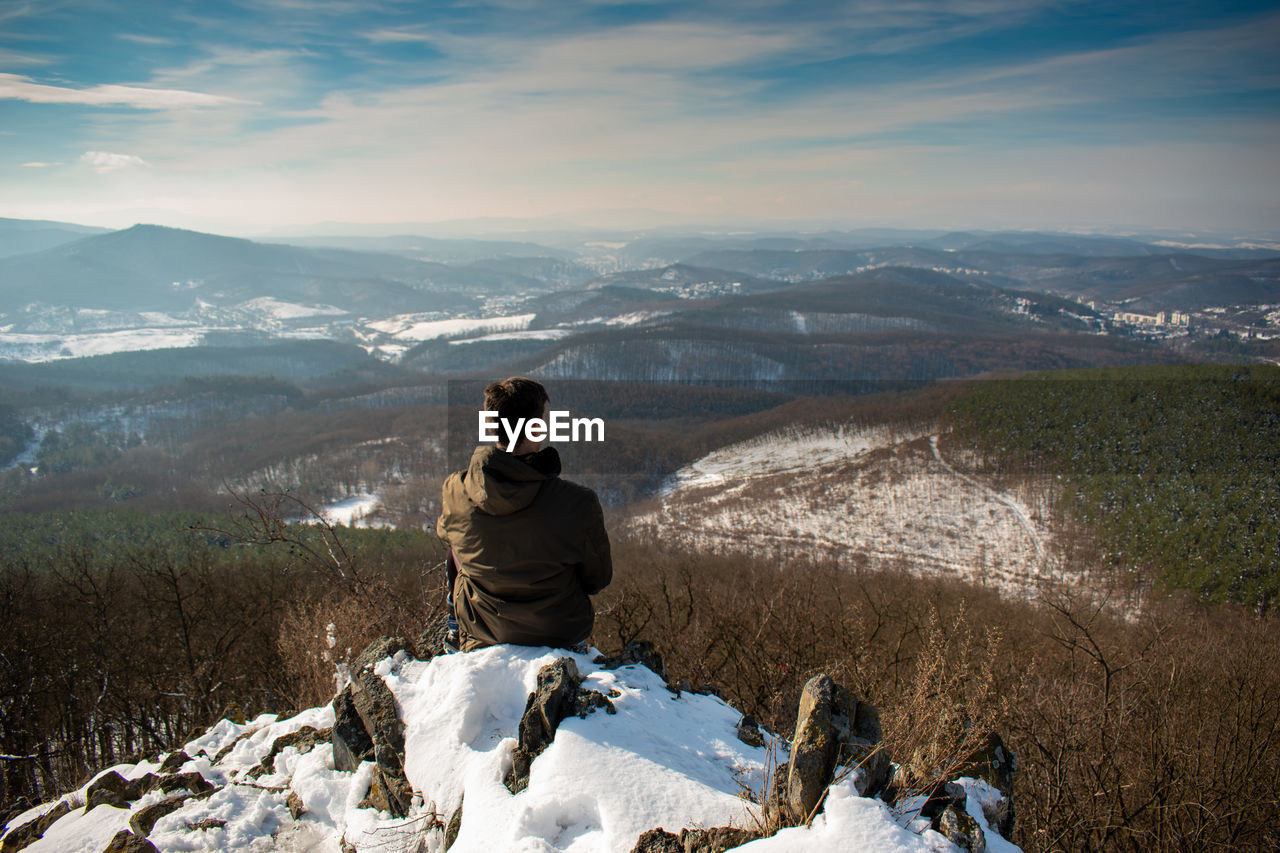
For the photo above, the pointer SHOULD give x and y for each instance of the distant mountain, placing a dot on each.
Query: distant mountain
(535, 272)
(440, 250)
(1032, 243)
(883, 324)
(20, 236)
(291, 360)
(1182, 281)
(687, 280)
(151, 268)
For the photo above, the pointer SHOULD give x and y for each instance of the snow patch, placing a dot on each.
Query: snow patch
(273, 307)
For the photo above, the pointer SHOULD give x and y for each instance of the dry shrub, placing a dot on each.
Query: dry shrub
(320, 637)
(1142, 730)
(949, 707)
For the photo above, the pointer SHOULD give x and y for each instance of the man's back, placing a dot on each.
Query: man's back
(530, 549)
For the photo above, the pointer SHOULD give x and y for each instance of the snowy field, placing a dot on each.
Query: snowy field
(662, 760)
(872, 498)
(409, 327)
(51, 347)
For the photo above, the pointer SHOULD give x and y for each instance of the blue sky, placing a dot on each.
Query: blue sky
(248, 116)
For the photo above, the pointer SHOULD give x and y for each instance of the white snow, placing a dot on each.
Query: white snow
(635, 318)
(521, 335)
(662, 760)
(50, 347)
(289, 310)
(794, 450)
(408, 328)
(873, 497)
(351, 510)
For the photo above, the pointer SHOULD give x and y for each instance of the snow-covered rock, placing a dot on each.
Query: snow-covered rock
(662, 759)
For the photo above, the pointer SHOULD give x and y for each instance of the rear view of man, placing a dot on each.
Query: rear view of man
(529, 547)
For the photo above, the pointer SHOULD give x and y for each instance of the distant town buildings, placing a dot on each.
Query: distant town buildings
(1162, 318)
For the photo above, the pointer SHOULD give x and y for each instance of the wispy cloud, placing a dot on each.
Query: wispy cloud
(20, 88)
(13, 58)
(105, 161)
(394, 36)
(35, 164)
(139, 38)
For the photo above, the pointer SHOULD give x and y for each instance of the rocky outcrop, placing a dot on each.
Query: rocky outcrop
(559, 694)
(639, 652)
(379, 718)
(832, 730)
(126, 842)
(144, 820)
(173, 762)
(192, 781)
(715, 840)
(31, 831)
(351, 743)
(961, 829)
(304, 740)
(749, 731)
(112, 789)
(996, 765)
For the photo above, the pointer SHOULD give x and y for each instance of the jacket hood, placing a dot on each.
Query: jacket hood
(501, 483)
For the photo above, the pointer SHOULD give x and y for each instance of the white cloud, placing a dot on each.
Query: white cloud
(389, 35)
(104, 161)
(20, 88)
(35, 164)
(139, 38)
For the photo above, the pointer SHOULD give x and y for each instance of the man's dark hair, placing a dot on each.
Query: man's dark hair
(516, 398)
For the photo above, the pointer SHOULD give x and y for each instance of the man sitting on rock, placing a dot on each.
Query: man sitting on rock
(529, 547)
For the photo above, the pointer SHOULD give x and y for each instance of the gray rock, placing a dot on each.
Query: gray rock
(639, 652)
(994, 763)
(824, 724)
(191, 781)
(749, 731)
(383, 647)
(109, 789)
(941, 798)
(454, 827)
(997, 765)
(658, 841)
(390, 792)
(351, 743)
(374, 730)
(715, 840)
(377, 709)
(865, 750)
(296, 807)
(833, 730)
(431, 642)
(304, 740)
(558, 695)
(961, 829)
(173, 762)
(126, 842)
(144, 820)
(31, 831)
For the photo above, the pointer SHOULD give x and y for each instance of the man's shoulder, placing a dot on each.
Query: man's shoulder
(560, 489)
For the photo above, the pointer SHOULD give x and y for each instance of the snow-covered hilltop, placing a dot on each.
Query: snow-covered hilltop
(435, 749)
(864, 496)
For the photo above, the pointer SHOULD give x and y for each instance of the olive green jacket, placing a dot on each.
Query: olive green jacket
(530, 548)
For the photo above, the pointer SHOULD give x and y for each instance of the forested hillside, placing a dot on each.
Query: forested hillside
(1175, 467)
